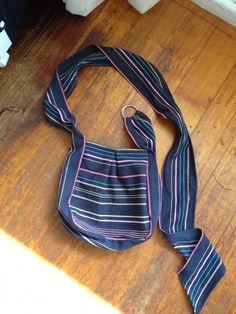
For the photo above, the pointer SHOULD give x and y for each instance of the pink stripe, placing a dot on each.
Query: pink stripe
(62, 91)
(185, 265)
(175, 214)
(78, 169)
(200, 270)
(116, 161)
(186, 215)
(89, 240)
(110, 176)
(131, 82)
(83, 236)
(149, 82)
(109, 238)
(66, 160)
(49, 97)
(149, 202)
(143, 133)
(123, 239)
(58, 109)
(130, 133)
(159, 220)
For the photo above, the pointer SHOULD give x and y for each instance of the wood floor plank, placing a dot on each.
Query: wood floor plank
(203, 14)
(216, 211)
(177, 35)
(215, 130)
(185, 44)
(38, 66)
(214, 20)
(227, 29)
(198, 88)
(36, 22)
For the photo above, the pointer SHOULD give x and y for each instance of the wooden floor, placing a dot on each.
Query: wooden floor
(196, 53)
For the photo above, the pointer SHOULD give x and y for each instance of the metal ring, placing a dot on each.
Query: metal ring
(125, 107)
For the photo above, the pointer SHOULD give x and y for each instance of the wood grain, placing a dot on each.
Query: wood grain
(196, 54)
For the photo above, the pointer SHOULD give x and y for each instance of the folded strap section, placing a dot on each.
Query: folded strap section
(141, 131)
(203, 268)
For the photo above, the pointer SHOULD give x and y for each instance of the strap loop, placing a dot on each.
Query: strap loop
(124, 108)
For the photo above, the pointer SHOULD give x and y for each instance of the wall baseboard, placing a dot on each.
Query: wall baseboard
(225, 9)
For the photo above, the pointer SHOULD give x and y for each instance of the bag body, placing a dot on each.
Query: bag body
(110, 199)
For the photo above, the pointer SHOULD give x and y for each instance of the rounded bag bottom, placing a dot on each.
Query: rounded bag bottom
(101, 241)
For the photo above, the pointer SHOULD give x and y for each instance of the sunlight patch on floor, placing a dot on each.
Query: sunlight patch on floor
(31, 285)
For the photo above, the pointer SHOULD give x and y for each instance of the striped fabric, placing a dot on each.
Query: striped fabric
(113, 198)
(110, 194)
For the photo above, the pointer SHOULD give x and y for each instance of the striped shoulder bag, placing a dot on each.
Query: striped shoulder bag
(114, 198)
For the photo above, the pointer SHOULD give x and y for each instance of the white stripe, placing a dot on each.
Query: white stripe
(197, 266)
(104, 203)
(139, 60)
(114, 189)
(207, 284)
(110, 231)
(111, 165)
(155, 73)
(100, 215)
(63, 125)
(116, 160)
(138, 118)
(109, 220)
(146, 126)
(49, 112)
(60, 109)
(66, 79)
(110, 195)
(184, 246)
(107, 247)
(183, 242)
(88, 240)
(117, 235)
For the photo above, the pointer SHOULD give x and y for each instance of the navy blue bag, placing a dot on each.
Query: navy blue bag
(114, 198)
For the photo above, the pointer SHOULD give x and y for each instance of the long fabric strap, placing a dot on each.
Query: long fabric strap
(203, 268)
